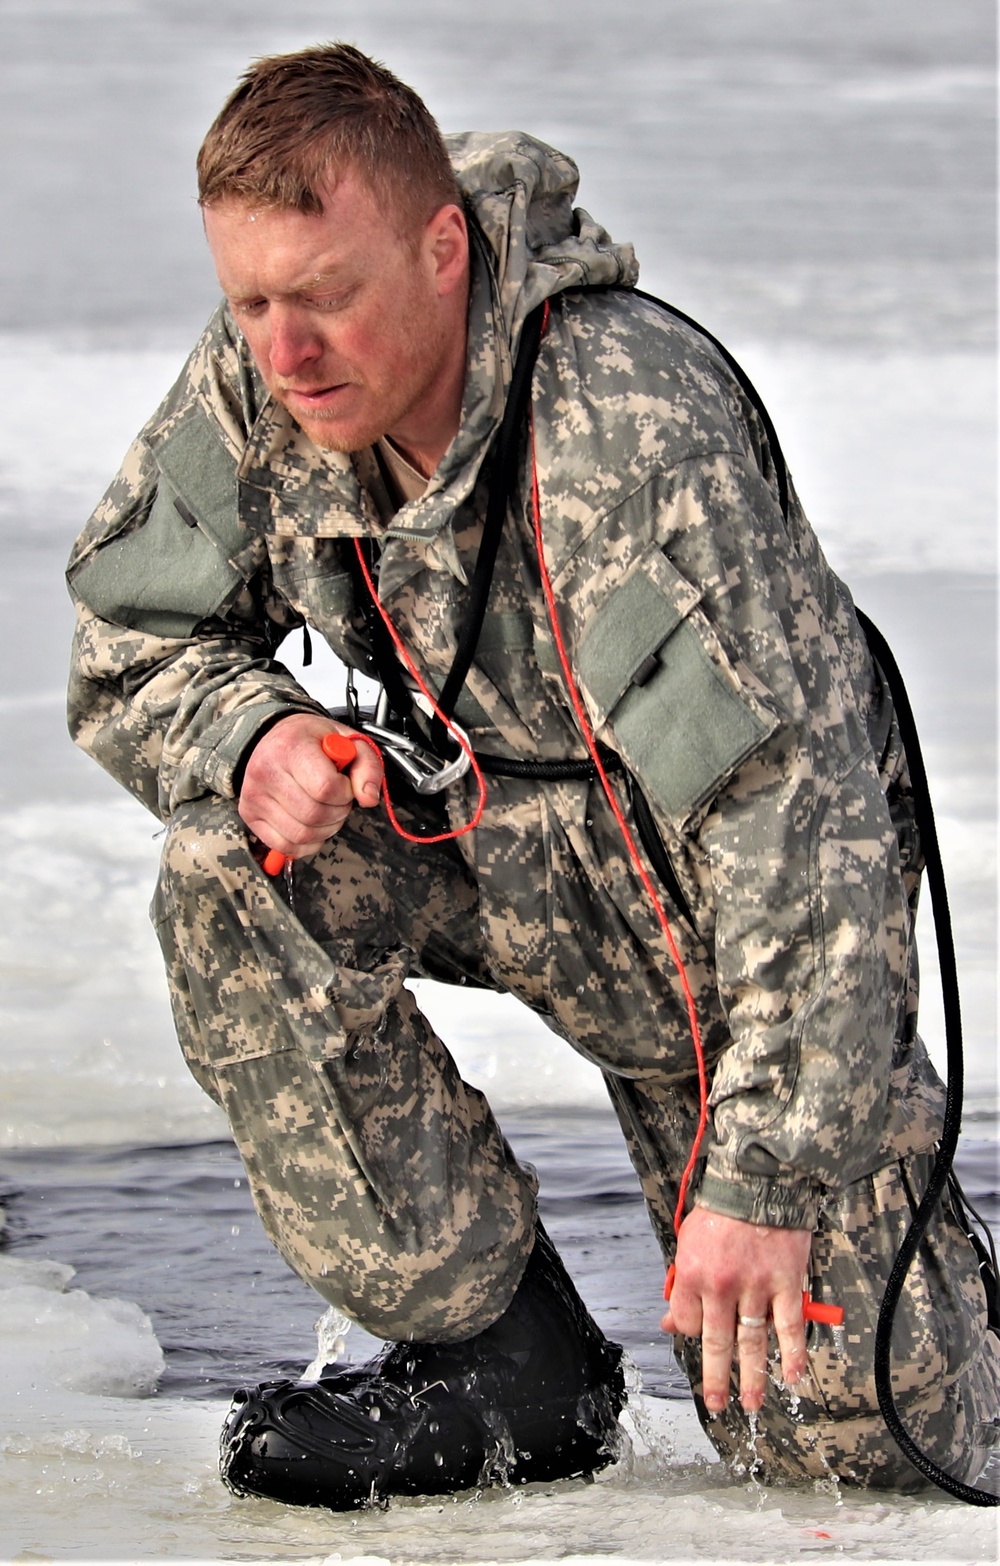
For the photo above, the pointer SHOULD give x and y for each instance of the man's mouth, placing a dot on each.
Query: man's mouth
(314, 394)
(316, 400)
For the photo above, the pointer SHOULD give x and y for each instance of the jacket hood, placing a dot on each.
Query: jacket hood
(520, 193)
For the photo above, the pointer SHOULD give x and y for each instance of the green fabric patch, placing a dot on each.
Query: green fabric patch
(680, 722)
(638, 618)
(203, 475)
(173, 570)
(686, 730)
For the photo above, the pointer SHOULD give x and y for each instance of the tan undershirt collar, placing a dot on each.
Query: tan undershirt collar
(402, 480)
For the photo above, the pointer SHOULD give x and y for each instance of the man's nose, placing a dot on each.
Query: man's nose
(294, 343)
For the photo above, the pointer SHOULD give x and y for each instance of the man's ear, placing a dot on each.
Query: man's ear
(446, 240)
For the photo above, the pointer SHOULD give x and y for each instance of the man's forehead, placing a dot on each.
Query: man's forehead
(309, 249)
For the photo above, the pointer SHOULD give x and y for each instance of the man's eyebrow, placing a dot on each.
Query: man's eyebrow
(315, 280)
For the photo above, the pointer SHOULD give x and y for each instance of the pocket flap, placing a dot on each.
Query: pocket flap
(162, 578)
(176, 568)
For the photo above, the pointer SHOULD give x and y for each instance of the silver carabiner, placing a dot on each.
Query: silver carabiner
(427, 773)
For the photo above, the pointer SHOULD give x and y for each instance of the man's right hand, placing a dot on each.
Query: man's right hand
(293, 798)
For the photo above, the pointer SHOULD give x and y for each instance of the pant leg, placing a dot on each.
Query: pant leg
(379, 1174)
(945, 1361)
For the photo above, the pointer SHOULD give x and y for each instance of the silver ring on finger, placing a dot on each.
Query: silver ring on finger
(752, 1321)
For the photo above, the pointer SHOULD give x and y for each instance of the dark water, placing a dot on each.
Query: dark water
(173, 1229)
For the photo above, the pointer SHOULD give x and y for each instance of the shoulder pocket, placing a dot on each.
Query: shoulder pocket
(175, 568)
(657, 675)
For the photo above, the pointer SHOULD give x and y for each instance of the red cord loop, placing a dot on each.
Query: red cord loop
(453, 729)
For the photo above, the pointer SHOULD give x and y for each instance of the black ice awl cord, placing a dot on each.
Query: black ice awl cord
(942, 1171)
(953, 1104)
(505, 467)
(505, 460)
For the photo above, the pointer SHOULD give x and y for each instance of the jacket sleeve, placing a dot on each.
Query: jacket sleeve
(733, 702)
(173, 674)
(172, 718)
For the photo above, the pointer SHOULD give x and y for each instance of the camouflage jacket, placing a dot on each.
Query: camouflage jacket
(715, 650)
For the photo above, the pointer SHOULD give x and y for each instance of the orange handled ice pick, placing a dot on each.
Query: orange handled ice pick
(341, 751)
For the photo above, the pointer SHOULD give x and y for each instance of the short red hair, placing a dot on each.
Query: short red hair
(295, 117)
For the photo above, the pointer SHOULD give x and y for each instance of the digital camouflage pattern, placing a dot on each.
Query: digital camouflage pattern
(716, 652)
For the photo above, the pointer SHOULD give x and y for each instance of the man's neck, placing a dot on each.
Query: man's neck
(425, 435)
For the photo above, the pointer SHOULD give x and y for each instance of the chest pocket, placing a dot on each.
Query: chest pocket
(179, 565)
(659, 678)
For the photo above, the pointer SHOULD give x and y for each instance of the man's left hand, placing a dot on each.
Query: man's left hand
(728, 1270)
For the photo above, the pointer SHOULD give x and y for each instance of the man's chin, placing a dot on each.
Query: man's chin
(337, 435)
(333, 440)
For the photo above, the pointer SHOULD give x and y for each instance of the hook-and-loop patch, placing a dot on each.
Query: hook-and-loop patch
(657, 675)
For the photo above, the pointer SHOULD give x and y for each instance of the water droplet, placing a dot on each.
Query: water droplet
(235, 1229)
(375, 1413)
(433, 1427)
(439, 1460)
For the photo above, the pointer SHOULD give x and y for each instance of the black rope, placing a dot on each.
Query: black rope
(548, 771)
(953, 1103)
(504, 477)
(383, 652)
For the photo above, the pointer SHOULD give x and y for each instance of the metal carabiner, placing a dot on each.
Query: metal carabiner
(427, 773)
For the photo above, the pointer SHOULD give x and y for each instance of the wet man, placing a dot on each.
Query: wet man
(659, 604)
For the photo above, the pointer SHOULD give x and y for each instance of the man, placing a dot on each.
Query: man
(660, 606)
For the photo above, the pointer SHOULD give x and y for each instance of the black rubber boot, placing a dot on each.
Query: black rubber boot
(535, 1396)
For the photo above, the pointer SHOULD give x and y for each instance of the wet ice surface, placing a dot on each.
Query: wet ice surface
(89, 1477)
(815, 184)
(155, 1483)
(109, 1478)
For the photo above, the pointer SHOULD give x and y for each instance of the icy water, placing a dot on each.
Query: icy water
(816, 184)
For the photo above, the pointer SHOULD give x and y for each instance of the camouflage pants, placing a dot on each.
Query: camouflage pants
(385, 1182)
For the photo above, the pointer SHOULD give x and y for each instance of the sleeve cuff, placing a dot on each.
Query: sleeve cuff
(222, 767)
(779, 1201)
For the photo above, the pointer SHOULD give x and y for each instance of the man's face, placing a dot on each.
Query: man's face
(358, 331)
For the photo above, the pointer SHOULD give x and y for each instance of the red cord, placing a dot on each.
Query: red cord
(623, 827)
(453, 730)
(595, 756)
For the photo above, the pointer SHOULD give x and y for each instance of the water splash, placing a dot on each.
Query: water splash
(789, 1395)
(331, 1330)
(498, 1463)
(751, 1466)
